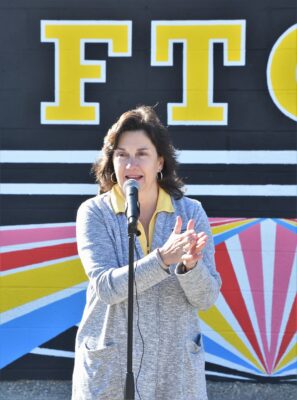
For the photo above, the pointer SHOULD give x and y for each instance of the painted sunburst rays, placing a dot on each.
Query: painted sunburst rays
(252, 327)
(250, 333)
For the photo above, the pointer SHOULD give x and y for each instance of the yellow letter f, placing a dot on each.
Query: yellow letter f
(72, 70)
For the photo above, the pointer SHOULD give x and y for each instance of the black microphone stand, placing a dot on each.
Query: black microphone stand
(129, 385)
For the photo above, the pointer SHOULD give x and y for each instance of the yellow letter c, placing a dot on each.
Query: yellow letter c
(282, 73)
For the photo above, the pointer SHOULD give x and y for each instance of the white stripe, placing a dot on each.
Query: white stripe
(235, 251)
(222, 374)
(241, 190)
(37, 265)
(292, 372)
(237, 157)
(290, 297)
(216, 337)
(35, 245)
(290, 369)
(52, 352)
(268, 231)
(227, 313)
(290, 346)
(49, 156)
(48, 189)
(42, 302)
(191, 190)
(184, 156)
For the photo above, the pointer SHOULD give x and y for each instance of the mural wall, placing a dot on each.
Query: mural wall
(223, 76)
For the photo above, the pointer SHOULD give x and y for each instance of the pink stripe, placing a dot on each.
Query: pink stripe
(29, 235)
(251, 244)
(285, 247)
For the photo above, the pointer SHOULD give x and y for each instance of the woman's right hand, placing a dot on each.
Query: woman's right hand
(171, 252)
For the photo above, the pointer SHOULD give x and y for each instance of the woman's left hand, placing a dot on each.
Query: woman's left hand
(193, 251)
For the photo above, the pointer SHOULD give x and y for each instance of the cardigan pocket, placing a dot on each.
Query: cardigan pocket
(100, 373)
(194, 371)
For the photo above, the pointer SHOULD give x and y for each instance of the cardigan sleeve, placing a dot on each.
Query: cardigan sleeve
(97, 251)
(202, 284)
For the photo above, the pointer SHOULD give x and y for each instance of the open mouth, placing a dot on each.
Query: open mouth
(136, 177)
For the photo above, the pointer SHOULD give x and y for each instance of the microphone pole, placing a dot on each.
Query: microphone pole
(132, 212)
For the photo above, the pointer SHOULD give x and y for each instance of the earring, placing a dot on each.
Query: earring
(159, 176)
(111, 176)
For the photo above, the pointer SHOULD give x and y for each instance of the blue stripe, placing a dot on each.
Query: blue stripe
(20, 335)
(285, 225)
(217, 350)
(222, 237)
(290, 367)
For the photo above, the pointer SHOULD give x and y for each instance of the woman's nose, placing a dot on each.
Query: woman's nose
(131, 161)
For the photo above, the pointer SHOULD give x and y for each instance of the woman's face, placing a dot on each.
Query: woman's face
(136, 158)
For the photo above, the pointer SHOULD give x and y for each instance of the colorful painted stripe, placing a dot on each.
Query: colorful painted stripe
(21, 258)
(23, 234)
(21, 288)
(23, 334)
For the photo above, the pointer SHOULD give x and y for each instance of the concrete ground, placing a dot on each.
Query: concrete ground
(61, 390)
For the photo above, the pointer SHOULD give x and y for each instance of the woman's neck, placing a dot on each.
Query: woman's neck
(148, 204)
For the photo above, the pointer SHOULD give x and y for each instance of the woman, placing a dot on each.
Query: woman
(175, 275)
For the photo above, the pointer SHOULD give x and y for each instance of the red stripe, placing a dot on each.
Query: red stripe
(289, 332)
(21, 258)
(233, 296)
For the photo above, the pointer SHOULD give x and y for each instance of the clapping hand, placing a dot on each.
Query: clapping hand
(192, 252)
(183, 247)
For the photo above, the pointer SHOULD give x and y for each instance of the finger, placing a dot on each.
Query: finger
(187, 257)
(178, 225)
(188, 248)
(190, 225)
(200, 246)
(202, 238)
(188, 240)
(188, 236)
(201, 234)
(190, 258)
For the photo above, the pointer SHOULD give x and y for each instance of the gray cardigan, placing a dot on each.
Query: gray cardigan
(166, 322)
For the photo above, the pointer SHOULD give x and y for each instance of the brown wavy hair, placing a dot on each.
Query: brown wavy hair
(141, 118)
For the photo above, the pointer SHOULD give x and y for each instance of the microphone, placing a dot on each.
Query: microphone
(132, 210)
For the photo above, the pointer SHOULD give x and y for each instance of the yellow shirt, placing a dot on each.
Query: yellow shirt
(164, 203)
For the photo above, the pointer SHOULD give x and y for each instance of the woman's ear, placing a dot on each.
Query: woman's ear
(161, 163)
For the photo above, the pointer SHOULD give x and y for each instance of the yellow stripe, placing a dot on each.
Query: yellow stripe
(143, 239)
(292, 355)
(226, 227)
(290, 222)
(23, 287)
(217, 322)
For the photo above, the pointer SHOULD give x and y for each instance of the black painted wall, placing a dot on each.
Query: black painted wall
(254, 122)
(27, 79)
